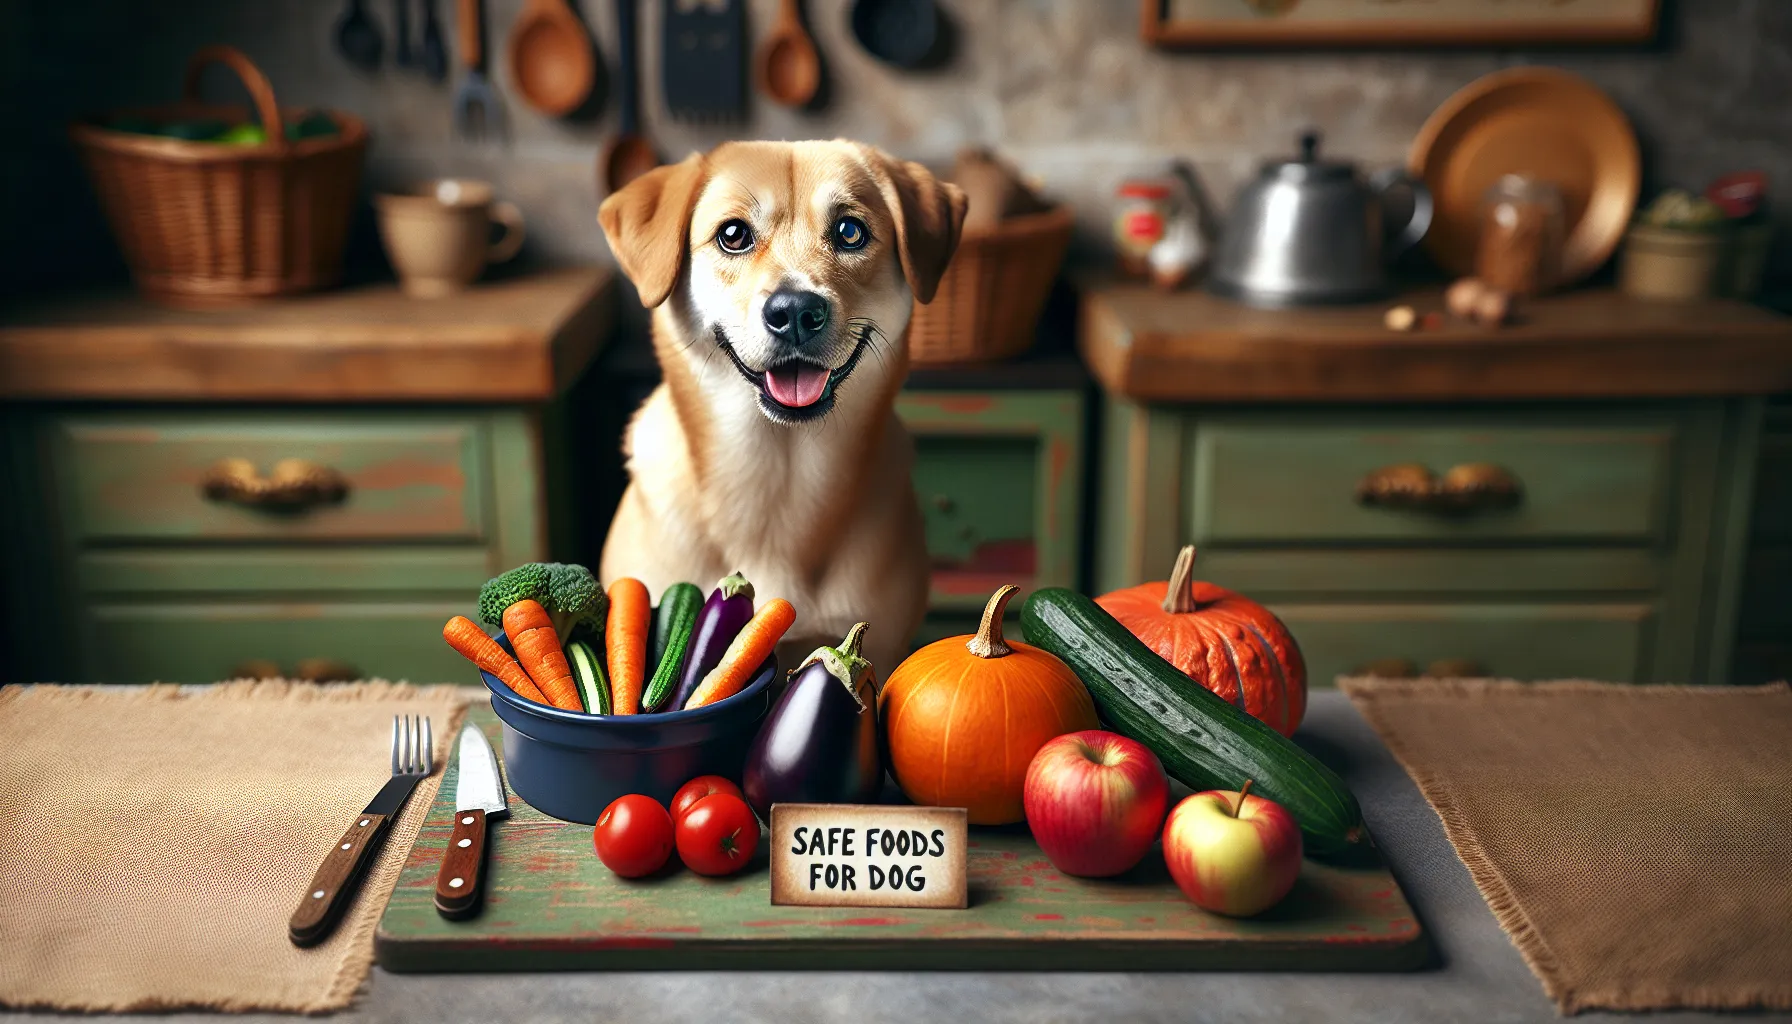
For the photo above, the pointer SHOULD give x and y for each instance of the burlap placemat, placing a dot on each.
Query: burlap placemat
(156, 839)
(1633, 840)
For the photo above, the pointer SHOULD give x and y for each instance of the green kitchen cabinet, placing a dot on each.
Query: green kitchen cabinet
(1764, 609)
(307, 486)
(999, 476)
(166, 580)
(1613, 550)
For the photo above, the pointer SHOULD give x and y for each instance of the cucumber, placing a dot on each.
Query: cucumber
(588, 672)
(673, 622)
(1203, 740)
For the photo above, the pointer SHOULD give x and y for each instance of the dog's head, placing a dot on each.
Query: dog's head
(794, 261)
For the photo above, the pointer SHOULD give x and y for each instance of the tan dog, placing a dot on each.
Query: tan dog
(781, 276)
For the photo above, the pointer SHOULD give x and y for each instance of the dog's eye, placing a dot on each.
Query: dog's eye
(850, 233)
(734, 236)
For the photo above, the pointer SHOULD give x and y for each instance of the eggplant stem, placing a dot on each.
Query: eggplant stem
(1179, 593)
(989, 643)
(849, 647)
(734, 584)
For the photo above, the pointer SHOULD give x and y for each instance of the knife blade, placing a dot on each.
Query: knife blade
(478, 797)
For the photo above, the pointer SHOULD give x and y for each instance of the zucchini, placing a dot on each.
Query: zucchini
(1204, 741)
(588, 672)
(673, 622)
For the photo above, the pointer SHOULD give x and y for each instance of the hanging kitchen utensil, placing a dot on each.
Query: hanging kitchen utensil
(789, 68)
(629, 155)
(905, 33)
(703, 59)
(552, 64)
(358, 37)
(477, 113)
(1310, 230)
(434, 57)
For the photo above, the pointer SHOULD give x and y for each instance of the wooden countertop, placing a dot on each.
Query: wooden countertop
(521, 339)
(1192, 346)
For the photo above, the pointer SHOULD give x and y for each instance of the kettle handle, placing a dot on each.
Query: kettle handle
(1420, 221)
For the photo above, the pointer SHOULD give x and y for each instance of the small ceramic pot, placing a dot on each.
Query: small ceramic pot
(438, 234)
(1671, 265)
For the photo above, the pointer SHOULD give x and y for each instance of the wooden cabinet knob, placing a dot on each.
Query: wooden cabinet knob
(292, 485)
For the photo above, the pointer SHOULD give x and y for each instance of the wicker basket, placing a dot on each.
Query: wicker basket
(204, 223)
(989, 301)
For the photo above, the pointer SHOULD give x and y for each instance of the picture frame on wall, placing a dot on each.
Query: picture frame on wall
(1344, 23)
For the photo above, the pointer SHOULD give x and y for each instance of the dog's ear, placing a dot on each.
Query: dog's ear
(646, 222)
(929, 215)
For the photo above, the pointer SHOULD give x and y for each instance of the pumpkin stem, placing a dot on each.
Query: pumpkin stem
(988, 642)
(1242, 790)
(1179, 595)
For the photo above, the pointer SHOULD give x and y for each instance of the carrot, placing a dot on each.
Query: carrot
(625, 644)
(748, 651)
(477, 647)
(537, 647)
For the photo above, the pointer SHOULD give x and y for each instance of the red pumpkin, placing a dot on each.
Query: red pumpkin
(1228, 643)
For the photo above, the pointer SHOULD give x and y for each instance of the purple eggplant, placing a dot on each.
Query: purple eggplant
(724, 615)
(819, 745)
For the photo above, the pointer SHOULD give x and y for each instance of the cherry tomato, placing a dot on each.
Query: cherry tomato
(634, 836)
(697, 789)
(717, 835)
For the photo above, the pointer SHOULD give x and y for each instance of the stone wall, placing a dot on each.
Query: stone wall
(1062, 86)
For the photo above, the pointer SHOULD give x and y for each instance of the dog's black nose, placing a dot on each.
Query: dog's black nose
(796, 317)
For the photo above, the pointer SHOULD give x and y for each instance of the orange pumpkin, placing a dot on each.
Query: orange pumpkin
(965, 715)
(1230, 644)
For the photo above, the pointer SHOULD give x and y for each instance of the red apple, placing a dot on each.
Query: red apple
(1094, 800)
(1232, 853)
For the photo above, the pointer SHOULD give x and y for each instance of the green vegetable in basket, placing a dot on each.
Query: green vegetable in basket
(243, 135)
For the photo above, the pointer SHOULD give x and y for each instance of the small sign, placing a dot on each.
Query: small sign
(864, 855)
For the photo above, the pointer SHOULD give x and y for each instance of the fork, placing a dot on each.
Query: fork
(477, 111)
(413, 758)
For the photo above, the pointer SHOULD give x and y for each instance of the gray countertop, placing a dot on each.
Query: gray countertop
(1476, 974)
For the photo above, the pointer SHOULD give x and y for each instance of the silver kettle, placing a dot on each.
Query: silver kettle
(1310, 231)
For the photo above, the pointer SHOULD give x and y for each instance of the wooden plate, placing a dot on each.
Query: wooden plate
(1540, 122)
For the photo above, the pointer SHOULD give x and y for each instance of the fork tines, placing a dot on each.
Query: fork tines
(413, 746)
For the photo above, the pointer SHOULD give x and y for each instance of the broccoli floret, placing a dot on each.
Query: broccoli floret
(569, 593)
(577, 603)
(527, 582)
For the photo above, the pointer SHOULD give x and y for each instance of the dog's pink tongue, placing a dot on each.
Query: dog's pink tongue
(796, 384)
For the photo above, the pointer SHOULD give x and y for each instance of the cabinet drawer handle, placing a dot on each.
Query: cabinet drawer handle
(315, 670)
(294, 484)
(1406, 668)
(1469, 487)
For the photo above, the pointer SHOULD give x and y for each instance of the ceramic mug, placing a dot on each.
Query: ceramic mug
(438, 234)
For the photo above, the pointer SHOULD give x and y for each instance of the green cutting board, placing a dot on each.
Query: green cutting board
(551, 905)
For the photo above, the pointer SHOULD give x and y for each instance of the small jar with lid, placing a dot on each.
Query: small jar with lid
(1142, 208)
(1522, 236)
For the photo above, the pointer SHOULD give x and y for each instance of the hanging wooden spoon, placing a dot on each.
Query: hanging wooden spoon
(629, 155)
(789, 69)
(550, 57)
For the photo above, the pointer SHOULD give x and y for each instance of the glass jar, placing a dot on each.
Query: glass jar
(1141, 215)
(1522, 236)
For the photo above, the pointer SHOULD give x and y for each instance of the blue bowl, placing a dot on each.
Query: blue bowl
(571, 765)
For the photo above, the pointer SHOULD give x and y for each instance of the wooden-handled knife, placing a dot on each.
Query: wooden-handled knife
(478, 797)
